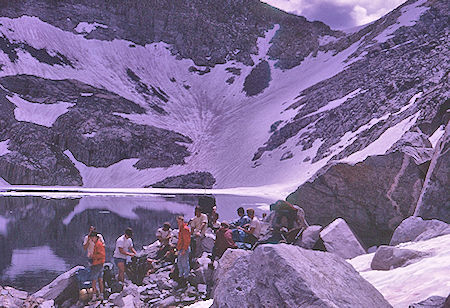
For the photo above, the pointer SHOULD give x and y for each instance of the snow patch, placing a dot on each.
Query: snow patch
(86, 94)
(41, 114)
(411, 102)
(3, 225)
(384, 142)
(435, 137)
(203, 304)
(90, 135)
(4, 148)
(323, 40)
(34, 259)
(413, 283)
(264, 44)
(410, 14)
(336, 103)
(85, 27)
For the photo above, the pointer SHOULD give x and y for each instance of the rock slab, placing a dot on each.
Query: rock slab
(434, 200)
(339, 239)
(387, 257)
(288, 276)
(414, 229)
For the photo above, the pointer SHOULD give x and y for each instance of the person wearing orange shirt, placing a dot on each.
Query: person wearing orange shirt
(98, 259)
(184, 240)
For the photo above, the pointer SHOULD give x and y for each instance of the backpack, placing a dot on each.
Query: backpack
(137, 269)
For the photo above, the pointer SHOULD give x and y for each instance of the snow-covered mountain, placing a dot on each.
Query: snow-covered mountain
(129, 93)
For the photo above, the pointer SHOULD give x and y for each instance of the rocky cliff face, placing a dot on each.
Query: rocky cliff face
(131, 93)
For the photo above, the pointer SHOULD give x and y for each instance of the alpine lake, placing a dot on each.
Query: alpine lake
(41, 234)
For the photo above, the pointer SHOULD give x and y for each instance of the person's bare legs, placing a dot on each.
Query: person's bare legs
(94, 286)
(100, 284)
(121, 266)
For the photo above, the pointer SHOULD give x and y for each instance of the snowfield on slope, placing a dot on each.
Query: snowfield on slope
(226, 126)
(416, 282)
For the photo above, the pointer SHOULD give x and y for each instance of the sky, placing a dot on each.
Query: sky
(338, 14)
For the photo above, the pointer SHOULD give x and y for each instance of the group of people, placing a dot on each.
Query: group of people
(244, 232)
(94, 245)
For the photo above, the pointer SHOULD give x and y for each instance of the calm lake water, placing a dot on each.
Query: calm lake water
(41, 237)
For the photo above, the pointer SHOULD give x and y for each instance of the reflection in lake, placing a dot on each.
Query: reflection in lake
(41, 238)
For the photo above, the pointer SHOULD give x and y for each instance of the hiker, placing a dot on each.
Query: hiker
(213, 218)
(239, 235)
(163, 234)
(88, 246)
(198, 229)
(254, 230)
(98, 259)
(224, 240)
(184, 240)
(298, 226)
(124, 248)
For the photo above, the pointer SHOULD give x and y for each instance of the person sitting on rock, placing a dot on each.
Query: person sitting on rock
(224, 240)
(98, 259)
(198, 228)
(124, 248)
(163, 234)
(184, 240)
(299, 225)
(239, 235)
(254, 229)
(88, 246)
(213, 219)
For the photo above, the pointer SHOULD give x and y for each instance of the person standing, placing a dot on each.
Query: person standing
(124, 248)
(198, 229)
(88, 246)
(98, 259)
(184, 240)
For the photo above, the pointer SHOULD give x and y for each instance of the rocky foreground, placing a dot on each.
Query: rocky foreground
(411, 272)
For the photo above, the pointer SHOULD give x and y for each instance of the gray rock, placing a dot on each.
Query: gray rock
(373, 196)
(167, 301)
(431, 302)
(415, 229)
(434, 200)
(309, 237)
(287, 276)
(339, 239)
(62, 288)
(17, 293)
(416, 145)
(387, 257)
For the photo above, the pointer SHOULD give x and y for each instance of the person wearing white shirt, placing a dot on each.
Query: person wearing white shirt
(124, 248)
(88, 245)
(198, 228)
(254, 229)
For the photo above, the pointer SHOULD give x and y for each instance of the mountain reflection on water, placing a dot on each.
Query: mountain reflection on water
(41, 238)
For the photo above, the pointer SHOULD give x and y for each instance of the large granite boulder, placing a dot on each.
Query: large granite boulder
(388, 257)
(339, 239)
(309, 237)
(416, 145)
(415, 229)
(434, 200)
(62, 288)
(289, 276)
(373, 196)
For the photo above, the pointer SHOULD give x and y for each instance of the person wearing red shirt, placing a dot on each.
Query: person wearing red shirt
(98, 259)
(184, 240)
(224, 240)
